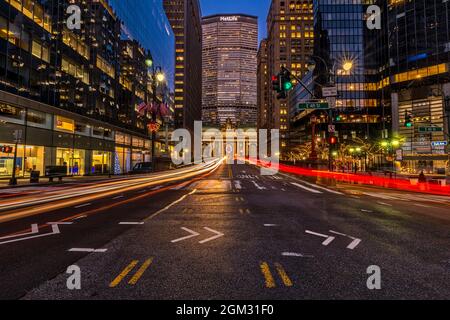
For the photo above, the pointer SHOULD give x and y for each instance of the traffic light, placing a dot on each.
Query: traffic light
(409, 121)
(282, 83)
(276, 83)
(286, 80)
(333, 140)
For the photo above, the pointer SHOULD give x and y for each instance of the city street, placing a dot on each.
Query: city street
(223, 232)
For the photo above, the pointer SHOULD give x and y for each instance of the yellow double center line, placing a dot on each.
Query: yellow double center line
(128, 269)
(270, 281)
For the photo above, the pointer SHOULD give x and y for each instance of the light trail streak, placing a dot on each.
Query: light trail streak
(16, 210)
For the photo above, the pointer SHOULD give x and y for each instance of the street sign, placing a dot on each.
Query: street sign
(329, 92)
(314, 105)
(6, 149)
(431, 129)
(439, 143)
(399, 154)
(17, 136)
(331, 128)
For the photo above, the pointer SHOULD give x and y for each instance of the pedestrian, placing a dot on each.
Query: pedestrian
(422, 178)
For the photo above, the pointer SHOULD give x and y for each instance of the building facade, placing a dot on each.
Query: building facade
(64, 100)
(417, 62)
(230, 44)
(147, 23)
(346, 57)
(264, 88)
(290, 43)
(185, 19)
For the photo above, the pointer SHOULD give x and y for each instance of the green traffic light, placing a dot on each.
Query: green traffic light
(409, 125)
(288, 86)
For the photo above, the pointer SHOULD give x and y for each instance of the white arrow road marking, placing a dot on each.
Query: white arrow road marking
(192, 235)
(326, 242)
(294, 254)
(305, 188)
(156, 188)
(368, 211)
(218, 235)
(270, 225)
(118, 197)
(34, 230)
(354, 243)
(88, 250)
(258, 186)
(55, 230)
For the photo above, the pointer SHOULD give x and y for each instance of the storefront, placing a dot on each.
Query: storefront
(73, 159)
(29, 158)
(51, 137)
(101, 162)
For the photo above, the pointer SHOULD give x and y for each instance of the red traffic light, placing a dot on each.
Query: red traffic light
(333, 140)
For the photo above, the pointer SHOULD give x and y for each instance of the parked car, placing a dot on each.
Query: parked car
(142, 167)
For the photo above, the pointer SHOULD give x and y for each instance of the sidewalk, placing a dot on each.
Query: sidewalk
(25, 182)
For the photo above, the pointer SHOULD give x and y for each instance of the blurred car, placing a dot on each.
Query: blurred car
(142, 167)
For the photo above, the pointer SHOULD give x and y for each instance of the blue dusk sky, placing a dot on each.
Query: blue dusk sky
(258, 8)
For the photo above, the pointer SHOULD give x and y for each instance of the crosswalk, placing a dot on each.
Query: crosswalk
(393, 196)
(248, 183)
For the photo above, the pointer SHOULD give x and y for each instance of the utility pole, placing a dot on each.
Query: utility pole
(17, 138)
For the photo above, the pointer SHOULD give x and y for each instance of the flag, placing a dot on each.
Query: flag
(142, 107)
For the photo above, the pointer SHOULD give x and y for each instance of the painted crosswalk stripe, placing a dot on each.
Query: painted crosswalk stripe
(306, 188)
(131, 223)
(83, 205)
(89, 250)
(322, 188)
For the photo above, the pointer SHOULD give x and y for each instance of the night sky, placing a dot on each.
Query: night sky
(258, 8)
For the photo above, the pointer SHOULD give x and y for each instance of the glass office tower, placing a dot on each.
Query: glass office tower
(146, 22)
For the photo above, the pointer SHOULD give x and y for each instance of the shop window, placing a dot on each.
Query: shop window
(38, 119)
(64, 124)
(82, 129)
(72, 159)
(12, 114)
(100, 162)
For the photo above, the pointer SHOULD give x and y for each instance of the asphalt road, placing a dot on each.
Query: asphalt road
(234, 235)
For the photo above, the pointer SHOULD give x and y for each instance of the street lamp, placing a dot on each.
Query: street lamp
(347, 65)
(157, 78)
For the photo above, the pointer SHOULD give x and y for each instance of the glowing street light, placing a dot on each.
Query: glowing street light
(347, 65)
(395, 143)
(160, 77)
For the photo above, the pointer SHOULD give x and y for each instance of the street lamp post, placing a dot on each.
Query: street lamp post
(157, 77)
(330, 80)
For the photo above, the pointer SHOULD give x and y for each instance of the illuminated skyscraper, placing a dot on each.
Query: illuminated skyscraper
(230, 44)
(185, 19)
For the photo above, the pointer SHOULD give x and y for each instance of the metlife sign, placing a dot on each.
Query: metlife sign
(229, 19)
